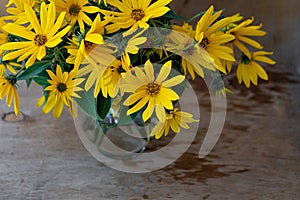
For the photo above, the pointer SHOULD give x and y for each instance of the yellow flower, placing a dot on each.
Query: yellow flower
(76, 11)
(8, 89)
(127, 44)
(8, 65)
(210, 37)
(113, 74)
(241, 32)
(92, 38)
(132, 43)
(135, 14)
(174, 120)
(157, 93)
(186, 29)
(4, 39)
(192, 55)
(63, 87)
(3, 33)
(227, 64)
(18, 12)
(248, 69)
(95, 65)
(46, 35)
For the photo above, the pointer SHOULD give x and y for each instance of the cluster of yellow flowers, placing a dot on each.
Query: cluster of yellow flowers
(61, 44)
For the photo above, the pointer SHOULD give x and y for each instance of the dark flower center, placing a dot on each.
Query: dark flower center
(152, 89)
(205, 42)
(137, 14)
(88, 45)
(61, 87)
(40, 40)
(74, 9)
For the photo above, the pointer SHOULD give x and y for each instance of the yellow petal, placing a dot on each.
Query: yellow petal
(94, 38)
(260, 71)
(149, 71)
(19, 31)
(16, 102)
(157, 130)
(174, 81)
(149, 110)
(139, 105)
(160, 113)
(164, 72)
(134, 98)
(31, 16)
(264, 59)
(58, 109)
(50, 103)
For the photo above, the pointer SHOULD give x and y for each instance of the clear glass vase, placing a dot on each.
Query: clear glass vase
(109, 138)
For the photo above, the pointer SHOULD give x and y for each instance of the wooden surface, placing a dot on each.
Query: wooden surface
(257, 156)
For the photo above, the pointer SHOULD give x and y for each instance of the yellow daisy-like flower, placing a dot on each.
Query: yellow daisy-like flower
(128, 44)
(63, 87)
(8, 89)
(76, 11)
(92, 38)
(135, 13)
(9, 65)
(210, 37)
(95, 64)
(248, 69)
(174, 120)
(155, 93)
(194, 57)
(113, 76)
(133, 42)
(45, 35)
(241, 33)
(4, 39)
(18, 12)
(186, 29)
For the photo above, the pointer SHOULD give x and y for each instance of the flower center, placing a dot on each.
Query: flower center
(74, 9)
(40, 40)
(88, 45)
(137, 14)
(205, 42)
(61, 87)
(152, 89)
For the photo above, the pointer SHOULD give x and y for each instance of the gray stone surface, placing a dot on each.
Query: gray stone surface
(257, 156)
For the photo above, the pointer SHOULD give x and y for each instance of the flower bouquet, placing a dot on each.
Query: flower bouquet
(123, 60)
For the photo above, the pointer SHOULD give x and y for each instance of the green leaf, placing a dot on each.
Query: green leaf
(34, 70)
(87, 103)
(103, 105)
(28, 82)
(41, 80)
